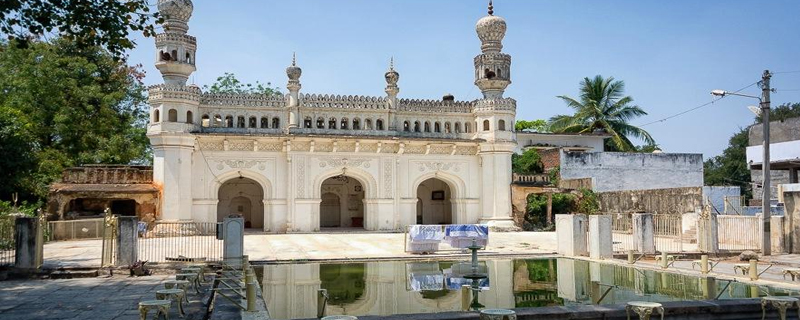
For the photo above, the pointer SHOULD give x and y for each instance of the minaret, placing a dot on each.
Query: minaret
(494, 117)
(492, 67)
(391, 94)
(175, 113)
(294, 72)
(175, 50)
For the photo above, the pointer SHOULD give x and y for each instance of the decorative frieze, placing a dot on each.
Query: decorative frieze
(387, 179)
(212, 145)
(300, 146)
(301, 177)
(466, 150)
(368, 147)
(270, 146)
(344, 162)
(323, 147)
(415, 149)
(441, 149)
(240, 145)
(241, 164)
(346, 147)
(438, 166)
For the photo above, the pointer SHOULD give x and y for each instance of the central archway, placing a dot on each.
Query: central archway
(243, 197)
(433, 202)
(342, 203)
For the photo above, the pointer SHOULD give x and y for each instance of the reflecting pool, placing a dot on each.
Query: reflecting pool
(397, 287)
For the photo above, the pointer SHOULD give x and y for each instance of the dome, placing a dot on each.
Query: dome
(294, 72)
(180, 10)
(491, 30)
(392, 76)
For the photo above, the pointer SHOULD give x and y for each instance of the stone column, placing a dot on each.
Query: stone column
(776, 234)
(172, 172)
(707, 232)
(233, 238)
(644, 233)
(127, 241)
(571, 234)
(496, 185)
(600, 242)
(791, 226)
(25, 229)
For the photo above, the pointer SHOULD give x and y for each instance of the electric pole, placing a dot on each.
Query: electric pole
(766, 247)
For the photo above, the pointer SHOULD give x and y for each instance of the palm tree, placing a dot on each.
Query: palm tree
(603, 107)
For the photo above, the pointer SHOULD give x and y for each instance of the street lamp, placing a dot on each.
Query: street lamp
(766, 192)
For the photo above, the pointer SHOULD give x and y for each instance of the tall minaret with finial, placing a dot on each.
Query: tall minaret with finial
(294, 72)
(174, 108)
(494, 117)
(391, 93)
(492, 67)
(175, 49)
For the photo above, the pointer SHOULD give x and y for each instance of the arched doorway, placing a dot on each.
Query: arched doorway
(433, 202)
(342, 203)
(243, 197)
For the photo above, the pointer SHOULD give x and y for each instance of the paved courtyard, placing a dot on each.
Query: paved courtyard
(114, 297)
(317, 246)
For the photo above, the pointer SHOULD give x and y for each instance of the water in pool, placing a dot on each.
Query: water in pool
(397, 287)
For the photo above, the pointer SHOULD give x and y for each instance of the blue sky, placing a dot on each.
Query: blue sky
(670, 54)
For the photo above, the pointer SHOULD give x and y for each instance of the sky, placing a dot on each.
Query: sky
(670, 54)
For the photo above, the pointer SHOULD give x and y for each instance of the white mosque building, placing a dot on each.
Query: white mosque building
(305, 161)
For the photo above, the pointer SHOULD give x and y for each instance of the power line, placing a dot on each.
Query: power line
(783, 72)
(697, 107)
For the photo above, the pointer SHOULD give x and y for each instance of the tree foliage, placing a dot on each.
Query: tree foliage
(730, 168)
(782, 112)
(603, 107)
(228, 83)
(529, 162)
(87, 23)
(537, 125)
(66, 105)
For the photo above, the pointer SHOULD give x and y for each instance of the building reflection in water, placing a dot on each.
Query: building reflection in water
(385, 288)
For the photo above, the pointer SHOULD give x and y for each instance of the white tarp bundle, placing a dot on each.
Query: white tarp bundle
(461, 235)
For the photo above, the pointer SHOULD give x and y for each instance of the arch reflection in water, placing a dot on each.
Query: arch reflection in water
(386, 288)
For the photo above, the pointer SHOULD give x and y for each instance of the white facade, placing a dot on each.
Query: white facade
(273, 159)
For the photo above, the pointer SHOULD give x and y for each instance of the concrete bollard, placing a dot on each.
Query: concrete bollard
(127, 241)
(631, 258)
(25, 234)
(664, 260)
(251, 296)
(753, 269)
(704, 264)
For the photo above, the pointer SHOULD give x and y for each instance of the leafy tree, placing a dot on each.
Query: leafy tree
(647, 148)
(88, 23)
(602, 106)
(730, 168)
(782, 112)
(529, 162)
(536, 215)
(66, 105)
(587, 202)
(538, 125)
(228, 83)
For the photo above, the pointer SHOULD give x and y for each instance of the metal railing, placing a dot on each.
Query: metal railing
(180, 242)
(738, 233)
(7, 244)
(75, 229)
(530, 178)
(668, 231)
(622, 232)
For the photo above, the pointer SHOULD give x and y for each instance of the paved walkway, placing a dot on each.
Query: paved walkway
(88, 298)
(316, 246)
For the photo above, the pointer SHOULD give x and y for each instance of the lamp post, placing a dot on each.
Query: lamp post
(766, 192)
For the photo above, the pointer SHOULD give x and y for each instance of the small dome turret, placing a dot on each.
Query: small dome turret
(491, 30)
(176, 14)
(391, 75)
(294, 72)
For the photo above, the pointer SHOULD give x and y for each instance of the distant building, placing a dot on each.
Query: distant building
(301, 162)
(784, 155)
(551, 145)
